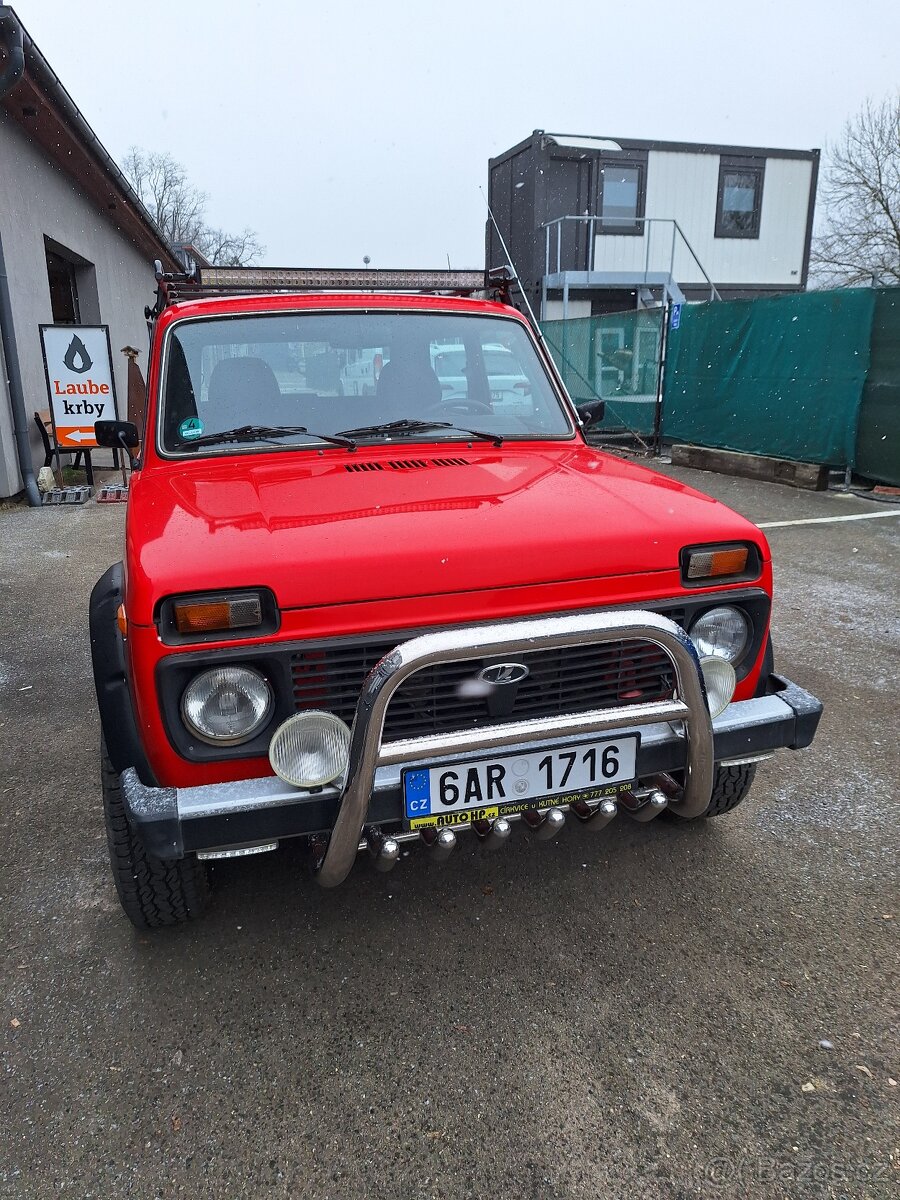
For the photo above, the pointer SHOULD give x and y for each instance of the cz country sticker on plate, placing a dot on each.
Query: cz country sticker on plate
(460, 793)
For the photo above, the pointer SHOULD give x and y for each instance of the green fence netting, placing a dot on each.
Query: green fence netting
(782, 376)
(812, 376)
(613, 357)
(878, 439)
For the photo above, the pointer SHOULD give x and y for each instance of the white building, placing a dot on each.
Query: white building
(600, 224)
(76, 245)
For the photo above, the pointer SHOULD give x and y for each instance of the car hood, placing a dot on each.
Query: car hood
(338, 528)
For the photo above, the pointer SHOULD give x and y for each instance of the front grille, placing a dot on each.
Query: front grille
(447, 697)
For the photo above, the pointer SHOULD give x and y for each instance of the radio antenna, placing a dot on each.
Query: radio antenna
(537, 328)
(512, 266)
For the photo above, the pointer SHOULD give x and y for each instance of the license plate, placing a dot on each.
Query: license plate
(460, 793)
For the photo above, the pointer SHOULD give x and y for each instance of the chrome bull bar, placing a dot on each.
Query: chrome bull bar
(367, 752)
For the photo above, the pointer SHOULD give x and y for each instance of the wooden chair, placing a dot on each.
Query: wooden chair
(45, 428)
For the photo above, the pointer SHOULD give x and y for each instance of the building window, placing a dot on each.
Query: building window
(63, 289)
(622, 189)
(739, 202)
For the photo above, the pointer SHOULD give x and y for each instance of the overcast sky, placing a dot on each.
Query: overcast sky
(342, 128)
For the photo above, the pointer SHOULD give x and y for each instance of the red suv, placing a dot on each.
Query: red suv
(366, 620)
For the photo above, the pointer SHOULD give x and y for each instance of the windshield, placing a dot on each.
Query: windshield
(329, 372)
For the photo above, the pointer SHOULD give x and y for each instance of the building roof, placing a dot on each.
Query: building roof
(595, 143)
(40, 105)
(591, 143)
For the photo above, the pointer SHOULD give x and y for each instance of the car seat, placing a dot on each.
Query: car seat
(242, 391)
(407, 389)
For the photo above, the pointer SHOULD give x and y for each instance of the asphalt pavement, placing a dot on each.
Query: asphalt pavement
(655, 1011)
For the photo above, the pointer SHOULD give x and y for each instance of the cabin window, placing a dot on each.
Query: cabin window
(622, 188)
(739, 202)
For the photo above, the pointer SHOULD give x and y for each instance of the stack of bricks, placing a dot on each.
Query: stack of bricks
(112, 493)
(75, 494)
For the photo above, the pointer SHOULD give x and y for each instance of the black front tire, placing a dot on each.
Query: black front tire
(153, 891)
(730, 786)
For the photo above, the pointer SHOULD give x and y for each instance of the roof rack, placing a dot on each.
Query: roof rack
(242, 281)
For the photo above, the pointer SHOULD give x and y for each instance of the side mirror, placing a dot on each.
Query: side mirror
(118, 435)
(590, 412)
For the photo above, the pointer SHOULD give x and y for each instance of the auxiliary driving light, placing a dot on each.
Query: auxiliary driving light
(226, 705)
(721, 632)
(720, 680)
(310, 749)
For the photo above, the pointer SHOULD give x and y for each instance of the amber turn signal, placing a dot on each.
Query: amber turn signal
(712, 564)
(204, 616)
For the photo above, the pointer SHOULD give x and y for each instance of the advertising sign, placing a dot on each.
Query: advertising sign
(80, 382)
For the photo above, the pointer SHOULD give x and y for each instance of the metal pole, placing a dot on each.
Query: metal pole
(16, 393)
(565, 350)
(714, 291)
(13, 44)
(647, 232)
(660, 377)
(546, 272)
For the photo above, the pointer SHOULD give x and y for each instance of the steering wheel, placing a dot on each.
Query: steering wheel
(459, 405)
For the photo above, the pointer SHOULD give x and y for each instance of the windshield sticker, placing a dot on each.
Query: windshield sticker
(192, 427)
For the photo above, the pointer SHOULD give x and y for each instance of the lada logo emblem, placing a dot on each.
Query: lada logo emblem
(502, 674)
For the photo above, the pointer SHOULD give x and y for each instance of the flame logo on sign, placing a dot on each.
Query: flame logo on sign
(76, 357)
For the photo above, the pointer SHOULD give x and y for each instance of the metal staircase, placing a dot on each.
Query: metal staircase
(645, 261)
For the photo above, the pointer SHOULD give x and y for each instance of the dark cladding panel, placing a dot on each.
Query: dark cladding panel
(569, 190)
(499, 200)
(522, 212)
(511, 195)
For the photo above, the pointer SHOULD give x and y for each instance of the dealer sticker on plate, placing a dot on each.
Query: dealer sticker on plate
(460, 793)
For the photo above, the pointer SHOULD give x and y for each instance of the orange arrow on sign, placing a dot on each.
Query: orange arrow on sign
(81, 437)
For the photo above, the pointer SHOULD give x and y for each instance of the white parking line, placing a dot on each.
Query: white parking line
(828, 520)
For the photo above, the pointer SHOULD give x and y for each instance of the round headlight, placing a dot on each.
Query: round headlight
(721, 633)
(720, 680)
(310, 749)
(226, 705)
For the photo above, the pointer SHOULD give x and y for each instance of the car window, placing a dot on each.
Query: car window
(493, 374)
(336, 371)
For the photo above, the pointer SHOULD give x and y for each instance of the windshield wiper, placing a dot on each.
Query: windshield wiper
(265, 433)
(410, 425)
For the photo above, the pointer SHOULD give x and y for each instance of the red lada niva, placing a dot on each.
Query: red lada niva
(365, 602)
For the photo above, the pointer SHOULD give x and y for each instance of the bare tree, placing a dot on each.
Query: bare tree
(179, 209)
(859, 238)
(230, 249)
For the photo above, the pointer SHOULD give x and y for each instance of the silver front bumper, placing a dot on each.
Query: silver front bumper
(675, 734)
(223, 799)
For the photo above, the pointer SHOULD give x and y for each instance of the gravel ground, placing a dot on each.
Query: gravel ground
(634, 1014)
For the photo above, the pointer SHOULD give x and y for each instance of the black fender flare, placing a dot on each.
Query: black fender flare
(767, 669)
(117, 718)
